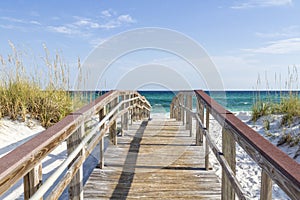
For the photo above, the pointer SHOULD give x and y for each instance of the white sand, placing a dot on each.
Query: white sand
(13, 134)
(247, 171)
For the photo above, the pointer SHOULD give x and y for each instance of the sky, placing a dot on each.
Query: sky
(247, 40)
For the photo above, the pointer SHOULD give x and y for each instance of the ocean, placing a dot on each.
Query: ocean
(232, 100)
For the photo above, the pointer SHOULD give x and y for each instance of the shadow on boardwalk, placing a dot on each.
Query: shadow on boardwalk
(128, 172)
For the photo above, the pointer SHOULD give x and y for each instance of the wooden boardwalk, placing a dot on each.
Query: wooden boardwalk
(154, 159)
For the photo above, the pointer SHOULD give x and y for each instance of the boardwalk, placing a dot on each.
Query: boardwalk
(155, 159)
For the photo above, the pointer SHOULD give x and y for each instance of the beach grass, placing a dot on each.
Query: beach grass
(289, 101)
(288, 107)
(44, 96)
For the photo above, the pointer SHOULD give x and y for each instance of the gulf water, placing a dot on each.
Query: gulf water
(232, 100)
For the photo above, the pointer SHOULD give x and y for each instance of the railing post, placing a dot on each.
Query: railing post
(229, 151)
(101, 160)
(186, 112)
(206, 140)
(199, 133)
(125, 124)
(131, 116)
(32, 181)
(76, 185)
(134, 111)
(113, 127)
(266, 186)
(181, 108)
(144, 113)
(175, 108)
(189, 101)
(171, 110)
(122, 116)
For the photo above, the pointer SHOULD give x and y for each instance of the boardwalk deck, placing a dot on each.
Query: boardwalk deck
(155, 159)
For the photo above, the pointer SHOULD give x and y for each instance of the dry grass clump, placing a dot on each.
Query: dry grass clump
(23, 96)
(288, 105)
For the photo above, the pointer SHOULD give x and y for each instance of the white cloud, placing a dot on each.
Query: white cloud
(17, 24)
(107, 13)
(261, 3)
(286, 46)
(125, 19)
(35, 22)
(86, 22)
(8, 26)
(111, 23)
(62, 29)
(11, 19)
(87, 27)
(291, 31)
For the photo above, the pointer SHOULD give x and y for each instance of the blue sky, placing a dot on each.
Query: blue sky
(243, 38)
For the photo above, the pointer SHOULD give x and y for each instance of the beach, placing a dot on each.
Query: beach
(14, 133)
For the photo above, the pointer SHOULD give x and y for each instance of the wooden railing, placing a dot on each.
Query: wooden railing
(25, 161)
(276, 166)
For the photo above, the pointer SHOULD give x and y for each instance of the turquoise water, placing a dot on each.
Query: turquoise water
(231, 100)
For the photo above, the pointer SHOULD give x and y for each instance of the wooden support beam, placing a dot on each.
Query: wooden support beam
(175, 108)
(122, 116)
(189, 101)
(76, 185)
(199, 133)
(32, 181)
(113, 127)
(171, 110)
(126, 115)
(102, 114)
(181, 100)
(206, 139)
(229, 151)
(179, 108)
(131, 116)
(266, 186)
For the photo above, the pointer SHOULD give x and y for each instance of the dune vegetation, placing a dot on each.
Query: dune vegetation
(288, 108)
(37, 94)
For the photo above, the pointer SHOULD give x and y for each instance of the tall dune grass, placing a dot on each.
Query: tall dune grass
(289, 104)
(43, 96)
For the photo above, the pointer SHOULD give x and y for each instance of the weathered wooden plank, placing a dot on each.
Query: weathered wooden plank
(76, 184)
(158, 160)
(32, 181)
(229, 151)
(125, 116)
(181, 101)
(66, 179)
(189, 122)
(206, 141)
(266, 187)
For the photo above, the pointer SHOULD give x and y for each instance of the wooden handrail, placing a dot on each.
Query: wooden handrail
(26, 157)
(275, 164)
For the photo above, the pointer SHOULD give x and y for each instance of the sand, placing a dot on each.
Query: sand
(15, 133)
